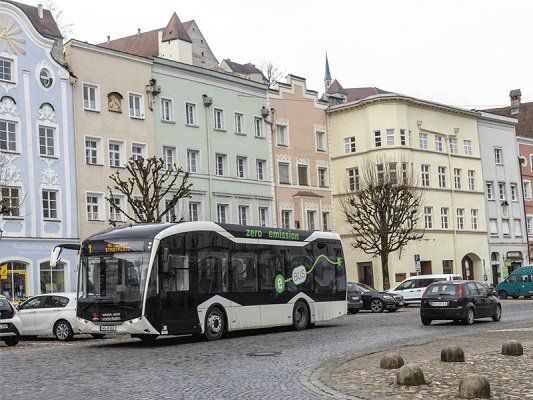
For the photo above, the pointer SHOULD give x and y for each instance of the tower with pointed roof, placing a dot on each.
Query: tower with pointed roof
(327, 75)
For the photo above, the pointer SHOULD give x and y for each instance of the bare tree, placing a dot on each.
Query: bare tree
(159, 188)
(271, 72)
(11, 196)
(383, 209)
(5, 206)
(66, 28)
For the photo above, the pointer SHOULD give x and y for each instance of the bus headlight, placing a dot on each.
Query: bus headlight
(134, 320)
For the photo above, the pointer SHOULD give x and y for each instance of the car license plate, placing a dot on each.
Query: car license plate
(3, 326)
(438, 303)
(108, 328)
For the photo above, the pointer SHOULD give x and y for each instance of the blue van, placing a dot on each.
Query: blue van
(519, 283)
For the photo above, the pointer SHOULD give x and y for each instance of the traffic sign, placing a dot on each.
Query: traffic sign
(417, 263)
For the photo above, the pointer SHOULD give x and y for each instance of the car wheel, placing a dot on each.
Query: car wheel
(300, 316)
(426, 321)
(497, 313)
(469, 319)
(355, 311)
(214, 324)
(376, 305)
(98, 335)
(502, 294)
(63, 331)
(11, 340)
(515, 297)
(392, 309)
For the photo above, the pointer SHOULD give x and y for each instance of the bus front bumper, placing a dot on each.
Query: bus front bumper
(135, 326)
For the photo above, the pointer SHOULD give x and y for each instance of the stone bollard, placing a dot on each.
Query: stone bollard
(410, 375)
(391, 361)
(452, 354)
(512, 348)
(474, 387)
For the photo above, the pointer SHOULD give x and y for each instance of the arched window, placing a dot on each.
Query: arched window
(13, 280)
(52, 279)
(495, 256)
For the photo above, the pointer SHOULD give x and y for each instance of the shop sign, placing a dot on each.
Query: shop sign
(3, 271)
(515, 255)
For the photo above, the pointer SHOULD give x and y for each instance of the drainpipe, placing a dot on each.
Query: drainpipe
(208, 101)
(524, 207)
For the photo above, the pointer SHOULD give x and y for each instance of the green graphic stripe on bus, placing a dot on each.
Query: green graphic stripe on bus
(299, 273)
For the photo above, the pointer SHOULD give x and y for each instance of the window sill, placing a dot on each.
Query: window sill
(92, 110)
(95, 220)
(51, 157)
(240, 133)
(282, 145)
(51, 220)
(321, 150)
(10, 151)
(167, 121)
(13, 217)
(219, 130)
(9, 82)
(192, 125)
(260, 137)
(119, 167)
(138, 118)
(95, 164)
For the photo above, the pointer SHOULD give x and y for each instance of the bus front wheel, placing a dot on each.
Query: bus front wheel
(214, 324)
(300, 316)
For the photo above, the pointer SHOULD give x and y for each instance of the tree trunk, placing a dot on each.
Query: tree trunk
(385, 270)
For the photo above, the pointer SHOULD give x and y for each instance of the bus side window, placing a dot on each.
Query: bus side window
(336, 251)
(298, 257)
(243, 272)
(270, 266)
(324, 273)
(212, 272)
(177, 277)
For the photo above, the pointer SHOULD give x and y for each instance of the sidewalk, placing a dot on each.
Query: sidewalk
(509, 377)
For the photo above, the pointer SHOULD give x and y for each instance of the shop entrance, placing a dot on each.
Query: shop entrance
(365, 273)
(13, 284)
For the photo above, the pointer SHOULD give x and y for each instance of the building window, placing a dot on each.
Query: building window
(326, 221)
(286, 219)
(263, 216)
(303, 175)
(471, 179)
(353, 179)
(311, 220)
(498, 156)
(171, 215)
(258, 127)
(11, 199)
(284, 173)
(473, 218)
(377, 138)
(49, 204)
(239, 123)
(169, 156)
(468, 147)
(529, 223)
(46, 141)
(135, 102)
(166, 109)
(190, 114)
(380, 173)
(323, 177)
(526, 186)
(92, 156)
(517, 227)
(438, 142)
(8, 136)
(194, 210)
(321, 141)
(93, 207)
(114, 154)
(505, 227)
(261, 170)
(138, 151)
(457, 178)
(282, 138)
(490, 192)
(405, 175)
(453, 146)
(501, 191)
(493, 227)
(349, 145)
(219, 119)
(425, 175)
(514, 192)
(115, 204)
(222, 213)
(243, 215)
(447, 266)
(423, 140)
(90, 97)
(390, 137)
(442, 177)
(192, 160)
(52, 279)
(6, 73)
(460, 218)
(444, 211)
(428, 217)
(220, 166)
(393, 173)
(403, 138)
(242, 167)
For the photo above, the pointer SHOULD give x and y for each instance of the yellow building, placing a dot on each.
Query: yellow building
(440, 145)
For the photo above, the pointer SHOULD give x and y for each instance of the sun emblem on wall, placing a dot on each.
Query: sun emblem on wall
(8, 36)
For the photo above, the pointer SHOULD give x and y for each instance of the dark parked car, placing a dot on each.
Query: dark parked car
(355, 301)
(459, 301)
(379, 301)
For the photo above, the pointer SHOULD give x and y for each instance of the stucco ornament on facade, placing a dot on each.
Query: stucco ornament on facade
(9, 173)
(320, 127)
(8, 36)
(311, 206)
(49, 177)
(47, 114)
(282, 121)
(322, 163)
(8, 108)
(283, 158)
(286, 206)
(301, 160)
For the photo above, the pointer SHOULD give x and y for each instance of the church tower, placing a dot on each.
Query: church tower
(327, 75)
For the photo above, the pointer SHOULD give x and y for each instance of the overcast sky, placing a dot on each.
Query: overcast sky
(466, 53)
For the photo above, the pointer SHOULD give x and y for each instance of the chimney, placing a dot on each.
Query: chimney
(138, 31)
(515, 96)
(40, 10)
(108, 39)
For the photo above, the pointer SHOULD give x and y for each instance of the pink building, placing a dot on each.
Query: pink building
(300, 156)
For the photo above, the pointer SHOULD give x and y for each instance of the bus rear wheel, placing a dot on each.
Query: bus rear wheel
(300, 316)
(214, 324)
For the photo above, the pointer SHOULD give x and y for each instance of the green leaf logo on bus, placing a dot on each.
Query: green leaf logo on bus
(299, 273)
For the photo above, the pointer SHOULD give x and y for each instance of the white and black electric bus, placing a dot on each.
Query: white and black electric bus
(204, 277)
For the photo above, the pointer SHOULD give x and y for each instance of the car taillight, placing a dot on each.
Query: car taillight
(460, 288)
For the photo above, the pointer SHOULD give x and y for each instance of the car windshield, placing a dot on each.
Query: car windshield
(352, 287)
(443, 289)
(365, 288)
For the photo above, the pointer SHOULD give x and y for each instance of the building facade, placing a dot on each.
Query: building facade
(300, 154)
(503, 195)
(439, 145)
(37, 167)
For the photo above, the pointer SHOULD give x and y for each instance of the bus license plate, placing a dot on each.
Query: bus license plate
(439, 303)
(108, 328)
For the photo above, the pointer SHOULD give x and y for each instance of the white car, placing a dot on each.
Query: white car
(10, 324)
(53, 313)
(413, 288)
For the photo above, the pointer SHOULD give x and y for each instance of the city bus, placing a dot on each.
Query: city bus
(207, 278)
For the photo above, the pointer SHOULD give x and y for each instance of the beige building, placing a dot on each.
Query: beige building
(113, 121)
(300, 157)
(440, 145)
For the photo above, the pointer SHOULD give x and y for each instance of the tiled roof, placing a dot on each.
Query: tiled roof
(175, 30)
(335, 87)
(354, 94)
(524, 127)
(46, 26)
(245, 69)
(306, 193)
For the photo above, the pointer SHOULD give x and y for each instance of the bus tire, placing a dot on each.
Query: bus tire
(215, 324)
(300, 316)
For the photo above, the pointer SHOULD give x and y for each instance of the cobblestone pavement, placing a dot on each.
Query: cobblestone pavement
(176, 368)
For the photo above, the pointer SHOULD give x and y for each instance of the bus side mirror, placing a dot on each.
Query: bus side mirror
(165, 255)
(55, 256)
